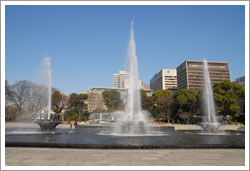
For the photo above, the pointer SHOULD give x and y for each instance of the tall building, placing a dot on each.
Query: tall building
(190, 73)
(240, 81)
(121, 81)
(165, 79)
(115, 80)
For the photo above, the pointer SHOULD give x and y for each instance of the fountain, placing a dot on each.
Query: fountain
(47, 123)
(210, 122)
(133, 121)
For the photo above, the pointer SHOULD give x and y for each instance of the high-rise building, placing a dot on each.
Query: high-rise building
(240, 81)
(190, 74)
(116, 80)
(121, 81)
(165, 79)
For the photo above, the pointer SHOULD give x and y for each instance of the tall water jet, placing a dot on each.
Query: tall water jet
(48, 73)
(210, 122)
(46, 77)
(133, 120)
(133, 106)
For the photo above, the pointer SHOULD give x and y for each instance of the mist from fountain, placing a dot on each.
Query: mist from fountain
(132, 121)
(133, 106)
(49, 123)
(46, 64)
(210, 122)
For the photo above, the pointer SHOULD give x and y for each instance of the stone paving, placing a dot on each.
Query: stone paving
(115, 157)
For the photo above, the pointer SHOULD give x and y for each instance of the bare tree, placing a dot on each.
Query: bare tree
(8, 94)
(37, 99)
(19, 92)
(186, 116)
(26, 96)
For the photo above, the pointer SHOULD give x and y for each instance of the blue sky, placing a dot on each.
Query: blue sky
(88, 44)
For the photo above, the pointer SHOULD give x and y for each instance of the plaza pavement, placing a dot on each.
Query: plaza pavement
(113, 157)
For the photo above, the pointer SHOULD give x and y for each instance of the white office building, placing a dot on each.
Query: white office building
(121, 81)
(165, 79)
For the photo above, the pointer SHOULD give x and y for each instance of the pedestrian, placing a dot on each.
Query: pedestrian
(75, 123)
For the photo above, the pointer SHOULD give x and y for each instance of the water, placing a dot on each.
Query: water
(210, 122)
(132, 121)
(88, 137)
(34, 131)
(49, 73)
(47, 124)
(133, 106)
(47, 79)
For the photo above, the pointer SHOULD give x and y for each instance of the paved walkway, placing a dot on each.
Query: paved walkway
(96, 157)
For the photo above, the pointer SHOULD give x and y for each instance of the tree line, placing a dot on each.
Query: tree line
(25, 97)
(183, 105)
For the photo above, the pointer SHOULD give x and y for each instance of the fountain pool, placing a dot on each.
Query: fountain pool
(89, 137)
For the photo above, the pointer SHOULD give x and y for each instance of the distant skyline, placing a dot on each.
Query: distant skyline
(88, 44)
